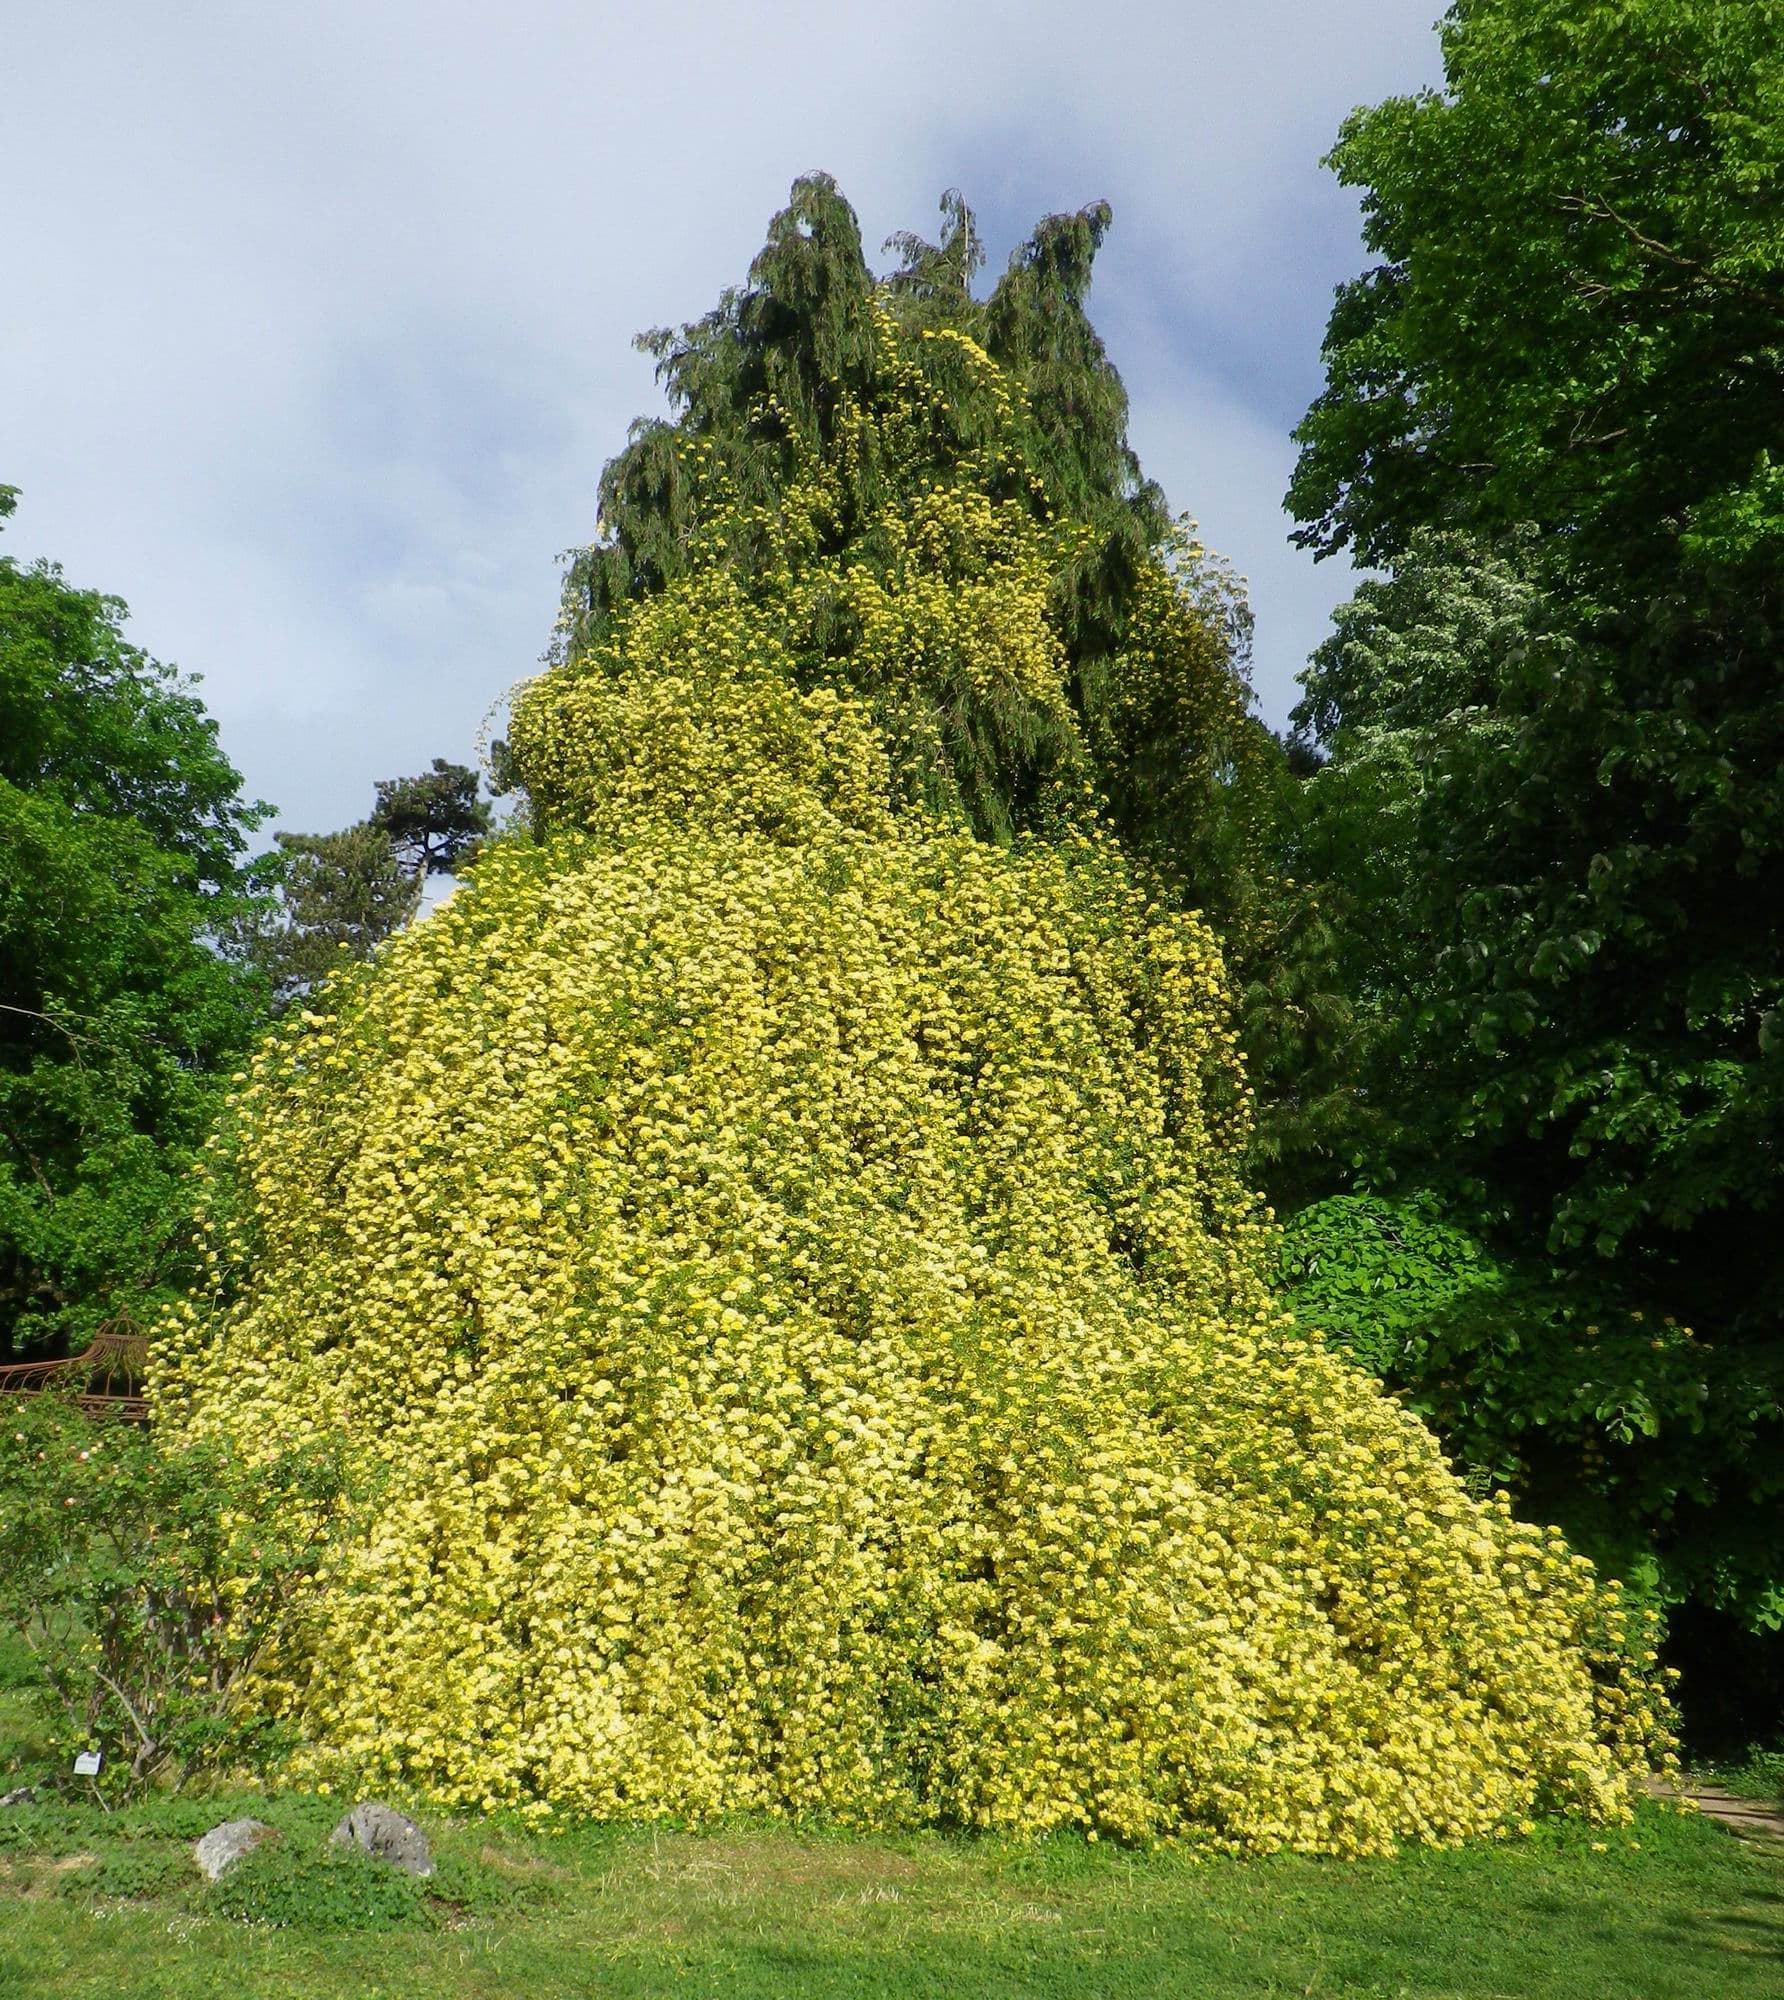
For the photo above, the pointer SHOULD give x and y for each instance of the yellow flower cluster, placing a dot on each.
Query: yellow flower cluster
(787, 1263)
(812, 664)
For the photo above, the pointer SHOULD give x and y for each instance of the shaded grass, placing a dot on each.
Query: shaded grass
(93, 1905)
(1758, 1776)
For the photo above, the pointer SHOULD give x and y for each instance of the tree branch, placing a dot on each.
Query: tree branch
(145, 1741)
(1597, 207)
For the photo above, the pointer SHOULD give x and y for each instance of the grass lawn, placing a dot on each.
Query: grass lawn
(95, 1905)
(1760, 1776)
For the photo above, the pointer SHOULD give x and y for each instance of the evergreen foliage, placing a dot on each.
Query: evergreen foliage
(761, 384)
(1153, 712)
(781, 1233)
(322, 894)
(433, 822)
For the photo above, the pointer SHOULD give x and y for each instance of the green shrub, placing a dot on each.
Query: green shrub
(144, 1581)
(1589, 1410)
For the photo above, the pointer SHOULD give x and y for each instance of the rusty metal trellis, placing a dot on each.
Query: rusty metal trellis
(108, 1370)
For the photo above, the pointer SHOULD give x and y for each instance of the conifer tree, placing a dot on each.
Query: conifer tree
(782, 1232)
(1167, 740)
(1160, 733)
(433, 822)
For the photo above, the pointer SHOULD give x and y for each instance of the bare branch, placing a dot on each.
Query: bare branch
(146, 1743)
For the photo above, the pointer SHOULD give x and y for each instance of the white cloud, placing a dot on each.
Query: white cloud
(320, 317)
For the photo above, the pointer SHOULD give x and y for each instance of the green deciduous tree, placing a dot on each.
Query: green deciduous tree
(1578, 307)
(1554, 805)
(1601, 1414)
(147, 1581)
(1570, 1058)
(121, 825)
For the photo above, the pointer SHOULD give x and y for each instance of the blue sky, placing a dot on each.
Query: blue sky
(317, 319)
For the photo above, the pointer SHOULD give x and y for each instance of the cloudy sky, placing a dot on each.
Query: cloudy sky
(316, 318)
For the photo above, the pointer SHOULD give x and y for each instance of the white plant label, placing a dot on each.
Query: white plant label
(87, 1763)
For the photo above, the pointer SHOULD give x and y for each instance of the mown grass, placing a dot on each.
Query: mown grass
(109, 1904)
(94, 1904)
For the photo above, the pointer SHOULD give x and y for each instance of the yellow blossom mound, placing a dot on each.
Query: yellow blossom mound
(783, 1266)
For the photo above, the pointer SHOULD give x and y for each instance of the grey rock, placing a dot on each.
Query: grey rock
(389, 1835)
(22, 1797)
(224, 1845)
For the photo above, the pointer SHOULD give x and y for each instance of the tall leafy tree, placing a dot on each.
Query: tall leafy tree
(325, 899)
(1558, 728)
(121, 830)
(434, 821)
(1575, 316)
(1612, 1392)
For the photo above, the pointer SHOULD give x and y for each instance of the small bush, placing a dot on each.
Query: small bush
(145, 1582)
(1592, 1411)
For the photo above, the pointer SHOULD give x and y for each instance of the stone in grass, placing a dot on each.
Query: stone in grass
(225, 1845)
(389, 1835)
